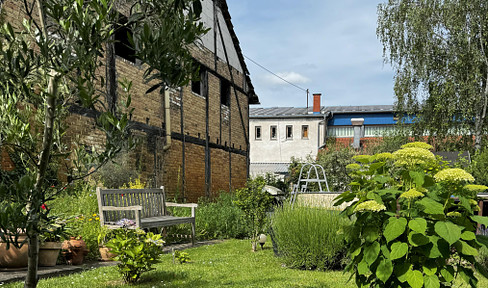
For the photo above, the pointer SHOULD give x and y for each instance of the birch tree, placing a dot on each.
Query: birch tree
(438, 49)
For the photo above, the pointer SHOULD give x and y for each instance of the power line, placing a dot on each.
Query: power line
(281, 78)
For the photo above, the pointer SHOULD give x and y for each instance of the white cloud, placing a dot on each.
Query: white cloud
(292, 77)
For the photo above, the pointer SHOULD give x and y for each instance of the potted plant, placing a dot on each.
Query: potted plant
(104, 236)
(74, 250)
(13, 255)
(50, 245)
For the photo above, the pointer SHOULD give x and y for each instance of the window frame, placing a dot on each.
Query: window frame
(256, 129)
(225, 91)
(122, 45)
(199, 82)
(305, 130)
(271, 132)
(289, 137)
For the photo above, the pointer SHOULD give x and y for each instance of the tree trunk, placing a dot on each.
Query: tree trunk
(110, 72)
(32, 204)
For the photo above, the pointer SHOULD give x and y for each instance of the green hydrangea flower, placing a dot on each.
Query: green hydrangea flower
(412, 194)
(475, 188)
(365, 159)
(369, 205)
(383, 156)
(353, 167)
(453, 175)
(412, 156)
(422, 145)
(454, 214)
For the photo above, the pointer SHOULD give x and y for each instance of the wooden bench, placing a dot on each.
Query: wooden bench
(146, 207)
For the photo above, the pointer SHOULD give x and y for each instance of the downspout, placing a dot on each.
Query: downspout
(167, 120)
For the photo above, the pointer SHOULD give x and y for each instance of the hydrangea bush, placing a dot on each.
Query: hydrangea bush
(415, 220)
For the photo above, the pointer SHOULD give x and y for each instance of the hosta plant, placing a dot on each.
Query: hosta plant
(415, 220)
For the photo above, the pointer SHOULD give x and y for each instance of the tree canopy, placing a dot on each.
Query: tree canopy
(438, 49)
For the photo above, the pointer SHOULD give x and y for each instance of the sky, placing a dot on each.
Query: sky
(329, 47)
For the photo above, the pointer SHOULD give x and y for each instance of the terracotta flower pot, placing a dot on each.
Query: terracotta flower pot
(14, 257)
(105, 253)
(74, 251)
(48, 253)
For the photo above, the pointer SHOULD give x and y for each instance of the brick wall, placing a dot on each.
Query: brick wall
(166, 167)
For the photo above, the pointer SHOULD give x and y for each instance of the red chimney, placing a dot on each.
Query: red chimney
(316, 103)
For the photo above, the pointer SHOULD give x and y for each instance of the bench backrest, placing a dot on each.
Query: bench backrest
(152, 200)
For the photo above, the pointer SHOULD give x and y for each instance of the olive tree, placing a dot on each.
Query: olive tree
(52, 60)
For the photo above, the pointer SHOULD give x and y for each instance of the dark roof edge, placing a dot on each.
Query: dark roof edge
(253, 97)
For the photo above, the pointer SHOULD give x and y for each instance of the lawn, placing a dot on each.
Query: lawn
(229, 264)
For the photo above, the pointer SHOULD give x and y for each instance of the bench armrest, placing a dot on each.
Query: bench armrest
(185, 205)
(137, 209)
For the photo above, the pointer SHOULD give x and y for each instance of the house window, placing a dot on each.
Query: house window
(258, 133)
(289, 132)
(273, 133)
(197, 85)
(224, 92)
(304, 131)
(122, 45)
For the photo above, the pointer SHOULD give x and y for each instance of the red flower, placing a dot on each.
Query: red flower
(122, 195)
(43, 206)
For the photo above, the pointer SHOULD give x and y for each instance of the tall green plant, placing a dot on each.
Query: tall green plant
(310, 237)
(255, 202)
(415, 224)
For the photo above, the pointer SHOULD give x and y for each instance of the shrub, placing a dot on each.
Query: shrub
(136, 250)
(334, 160)
(309, 237)
(79, 205)
(408, 224)
(255, 203)
(479, 167)
(218, 219)
(117, 173)
(221, 219)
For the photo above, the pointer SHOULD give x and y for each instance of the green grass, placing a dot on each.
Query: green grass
(230, 264)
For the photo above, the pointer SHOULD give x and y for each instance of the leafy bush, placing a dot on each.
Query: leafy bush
(117, 173)
(408, 224)
(136, 250)
(479, 167)
(255, 203)
(310, 237)
(221, 219)
(79, 205)
(218, 219)
(334, 160)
